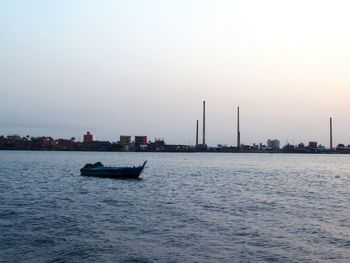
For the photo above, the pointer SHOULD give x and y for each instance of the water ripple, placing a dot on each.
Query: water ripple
(187, 208)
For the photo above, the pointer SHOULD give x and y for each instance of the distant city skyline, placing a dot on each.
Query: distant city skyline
(144, 68)
(268, 142)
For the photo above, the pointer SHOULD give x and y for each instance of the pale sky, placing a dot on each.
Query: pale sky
(138, 67)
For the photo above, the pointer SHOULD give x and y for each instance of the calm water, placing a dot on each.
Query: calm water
(187, 208)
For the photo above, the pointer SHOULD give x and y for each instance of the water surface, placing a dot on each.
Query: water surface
(187, 208)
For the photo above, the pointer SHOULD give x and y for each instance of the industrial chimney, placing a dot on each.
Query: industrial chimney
(197, 134)
(203, 122)
(330, 133)
(238, 131)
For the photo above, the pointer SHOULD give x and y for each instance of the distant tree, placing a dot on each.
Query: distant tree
(72, 139)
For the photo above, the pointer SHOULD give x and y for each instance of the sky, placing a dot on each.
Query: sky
(137, 67)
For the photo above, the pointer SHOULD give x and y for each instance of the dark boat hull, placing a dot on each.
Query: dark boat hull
(120, 173)
(114, 172)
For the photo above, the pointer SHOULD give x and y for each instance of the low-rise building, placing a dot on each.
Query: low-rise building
(88, 137)
(288, 148)
(273, 144)
(125, 140)
(140, 140)
(312, 145)
(64, 144)
(157, 145)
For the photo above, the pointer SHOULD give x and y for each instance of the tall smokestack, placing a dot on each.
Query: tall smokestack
(197, 134)
(203, 122)
(238, 131)
(330, 133)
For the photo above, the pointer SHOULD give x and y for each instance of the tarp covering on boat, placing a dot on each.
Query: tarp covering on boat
(91, 166)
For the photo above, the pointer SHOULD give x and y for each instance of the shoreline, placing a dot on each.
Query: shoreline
(327, 152)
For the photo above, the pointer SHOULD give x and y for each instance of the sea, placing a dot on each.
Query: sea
(187, 207)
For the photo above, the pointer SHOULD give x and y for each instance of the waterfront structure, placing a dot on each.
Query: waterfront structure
(140, 140)
(88, 137)
(177, 148)
(48, 143)
(14, 138)
(273, 144)
(125, 140)
(64, 144)
(312, 145)
(288, 148)
(341, 148)
(157, 145)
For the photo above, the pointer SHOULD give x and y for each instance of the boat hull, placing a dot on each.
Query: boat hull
(113, 172)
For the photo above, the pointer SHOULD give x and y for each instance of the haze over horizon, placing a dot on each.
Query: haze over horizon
(144, 67)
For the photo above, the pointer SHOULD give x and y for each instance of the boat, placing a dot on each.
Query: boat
(99, 170)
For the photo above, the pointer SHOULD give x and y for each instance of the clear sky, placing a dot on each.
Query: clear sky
(138, 67)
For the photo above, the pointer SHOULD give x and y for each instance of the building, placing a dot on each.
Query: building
(42, 143)
(273, 144)
(288, 148)
(125, 140)
(125, 143)
(3, 140)
(64, 144)
(14, 138)
(341, 148)
(88, 137)
(157, 145)
(312, 145)
(140, 140)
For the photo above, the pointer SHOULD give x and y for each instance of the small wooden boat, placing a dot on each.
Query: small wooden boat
(98, 169)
